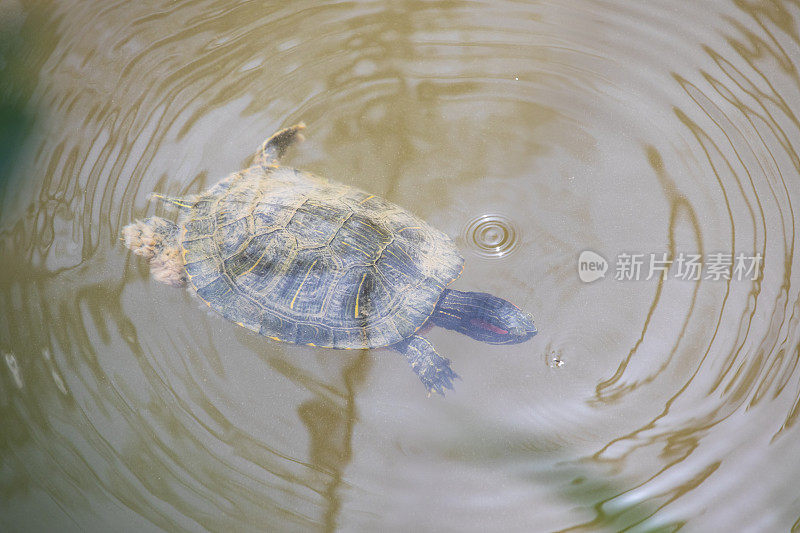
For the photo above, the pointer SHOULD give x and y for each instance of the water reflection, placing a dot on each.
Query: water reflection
(590, 124)
(15, 114)
(330, 421)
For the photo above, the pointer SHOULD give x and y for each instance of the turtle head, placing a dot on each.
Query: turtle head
(483, 317)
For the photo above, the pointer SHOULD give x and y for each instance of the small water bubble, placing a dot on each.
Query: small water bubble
(492, 235)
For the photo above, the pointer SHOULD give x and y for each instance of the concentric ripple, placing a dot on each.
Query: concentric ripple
(491, 235)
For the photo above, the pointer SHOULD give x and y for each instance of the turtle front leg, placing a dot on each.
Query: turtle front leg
(433, 370)
(273, 148)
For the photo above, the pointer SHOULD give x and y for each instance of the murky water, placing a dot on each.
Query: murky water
(530, 132)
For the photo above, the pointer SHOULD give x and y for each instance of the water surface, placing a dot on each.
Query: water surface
(528, 131)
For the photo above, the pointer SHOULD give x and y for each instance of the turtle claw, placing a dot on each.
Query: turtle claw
(437, 389)
(432, 369)
(439, 379)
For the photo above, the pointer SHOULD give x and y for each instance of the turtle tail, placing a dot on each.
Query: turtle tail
(156, 240)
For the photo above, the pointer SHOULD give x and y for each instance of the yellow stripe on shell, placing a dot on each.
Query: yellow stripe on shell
(356, 248)
(291, 305)
(256, 263)
(170, 200)
(358, 293)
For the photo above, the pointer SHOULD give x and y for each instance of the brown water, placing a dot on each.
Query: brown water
(529, 131)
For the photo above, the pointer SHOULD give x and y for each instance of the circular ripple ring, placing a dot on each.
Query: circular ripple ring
(492, 235)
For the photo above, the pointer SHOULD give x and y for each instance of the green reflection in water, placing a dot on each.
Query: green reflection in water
(17, 78)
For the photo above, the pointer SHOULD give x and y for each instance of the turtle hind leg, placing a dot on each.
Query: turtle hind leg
(155, 239)
(433, 370)
(273, 148)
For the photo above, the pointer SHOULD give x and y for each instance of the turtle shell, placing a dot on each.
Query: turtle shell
(298, 258)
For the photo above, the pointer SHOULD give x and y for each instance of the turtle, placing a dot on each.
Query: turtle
(300, 258)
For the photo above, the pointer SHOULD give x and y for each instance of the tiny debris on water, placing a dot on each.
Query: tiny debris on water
(13, 366)
(556, 361)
